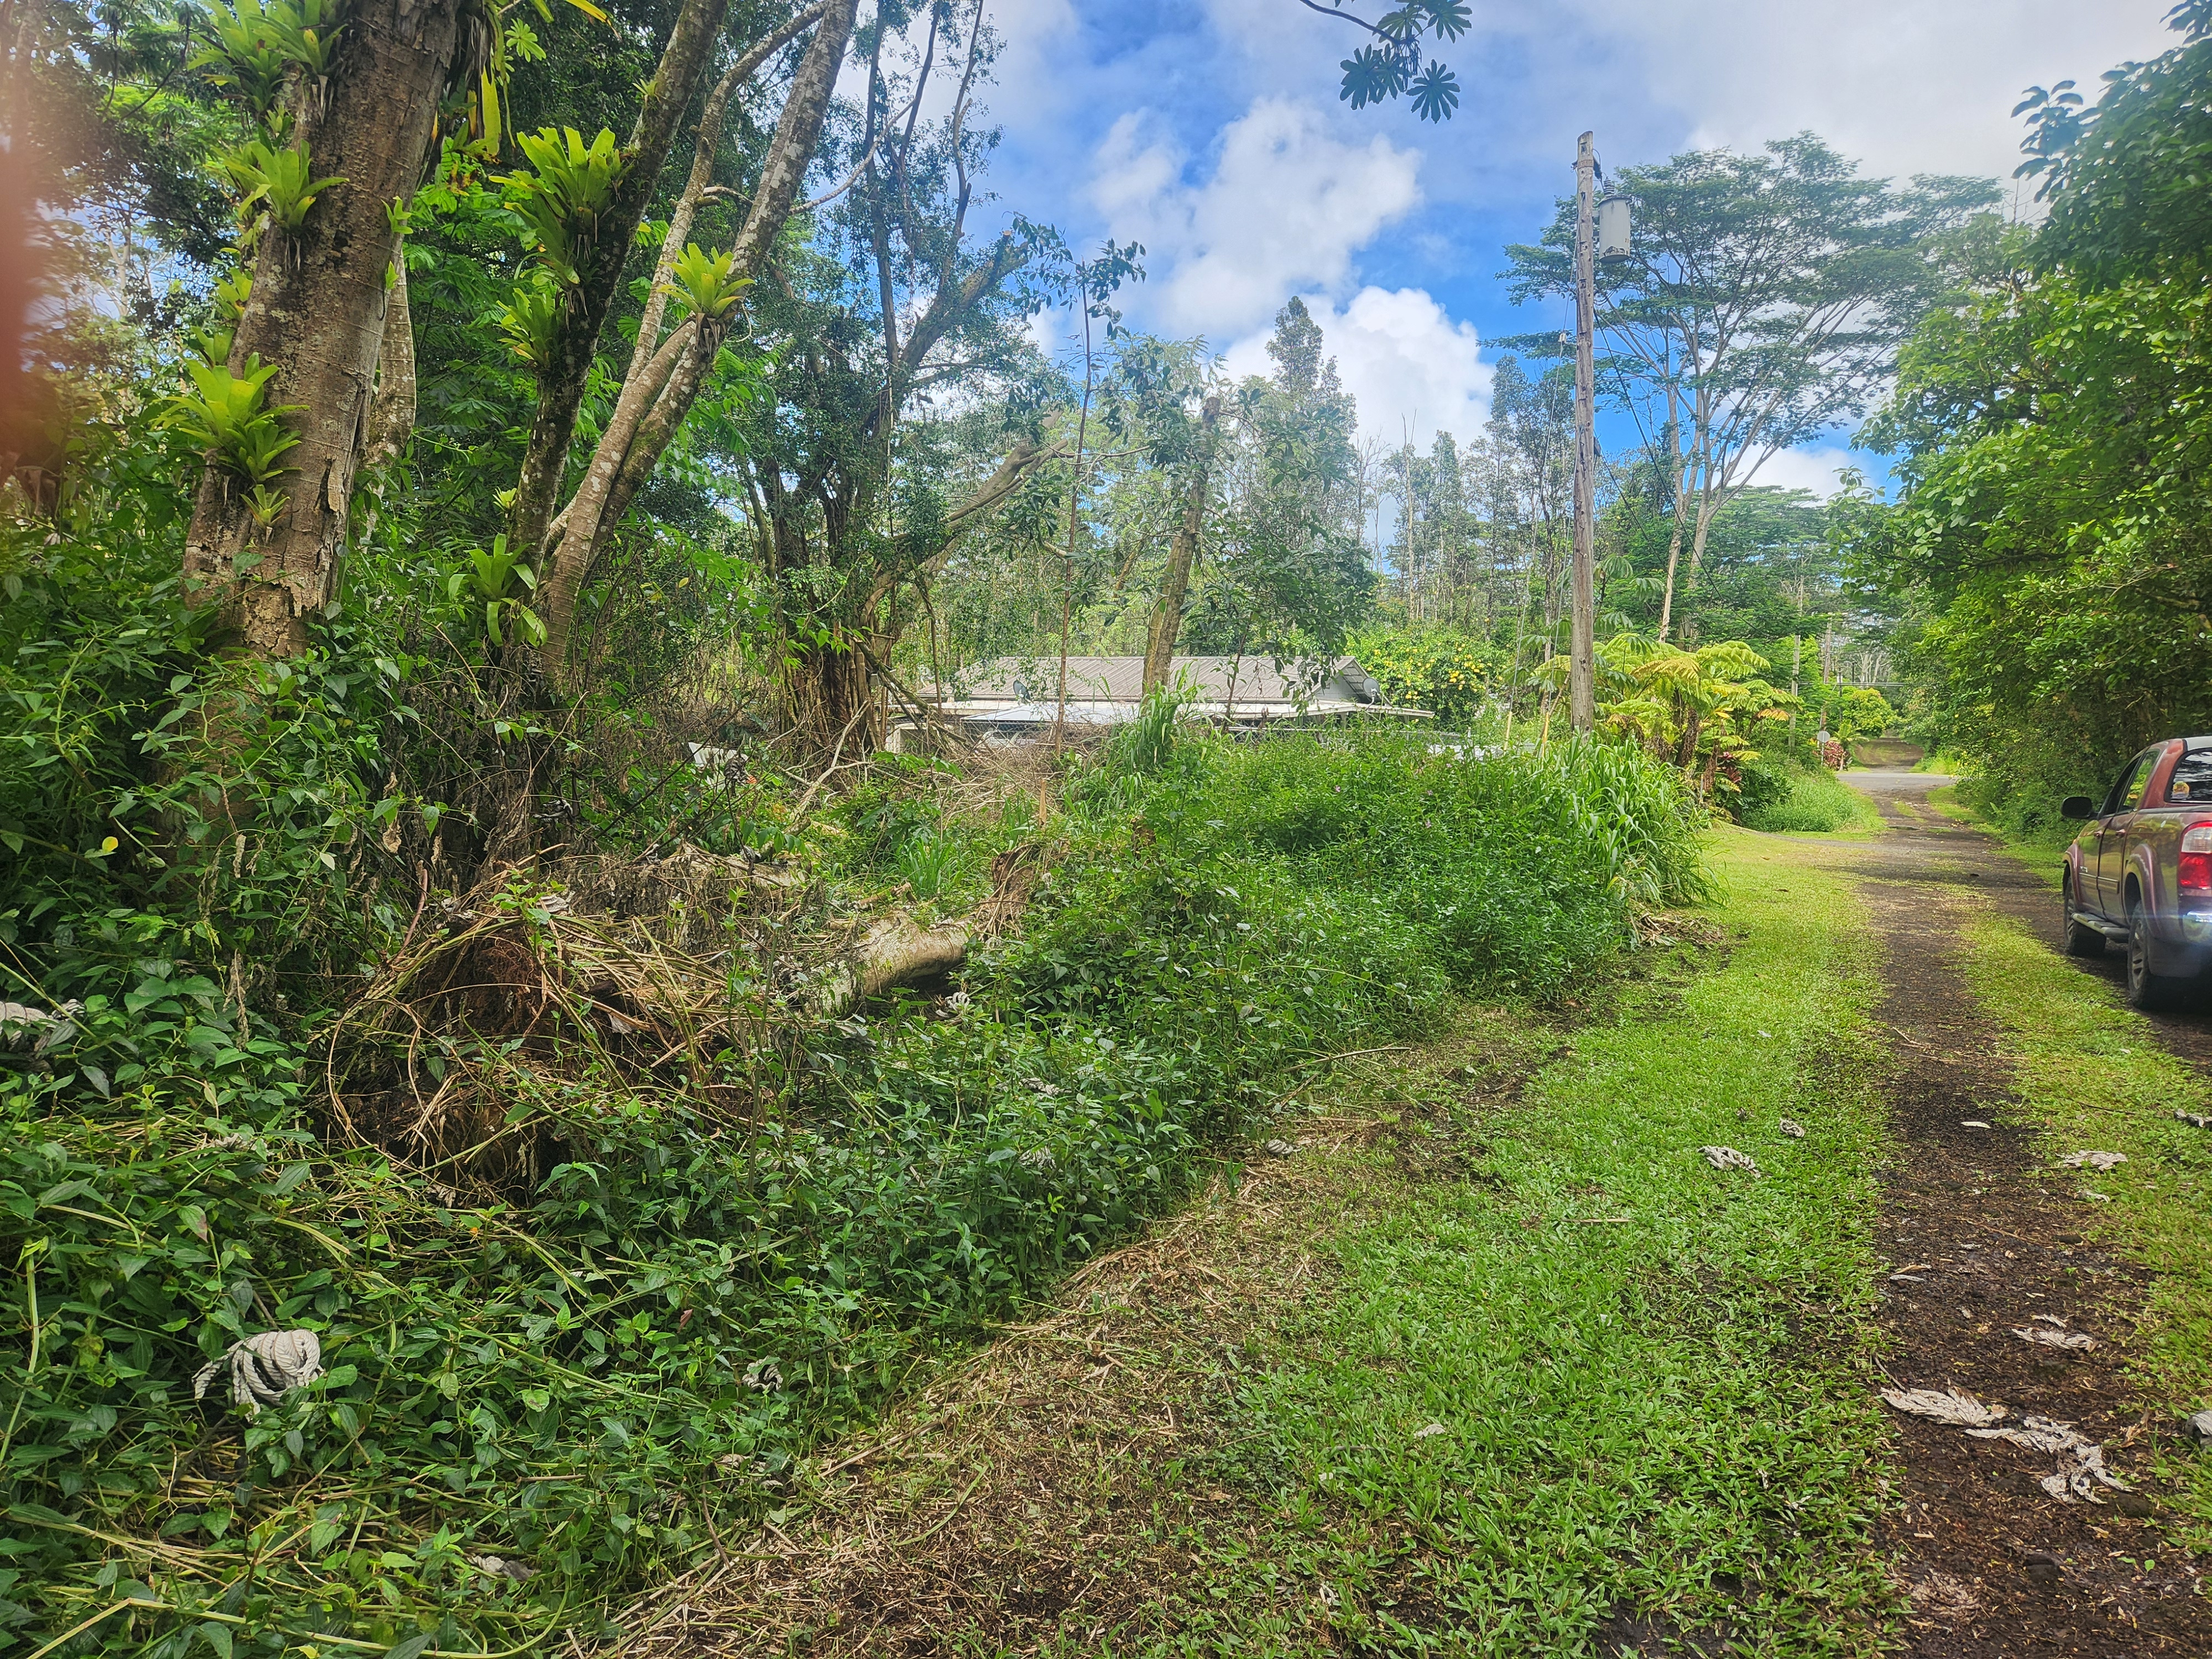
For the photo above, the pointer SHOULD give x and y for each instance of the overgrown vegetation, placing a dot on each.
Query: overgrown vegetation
(2048, 430)
(1495, 1360)
(1802, 802)
(598, 1223)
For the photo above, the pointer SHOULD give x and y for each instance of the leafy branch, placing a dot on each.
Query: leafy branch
(1396, 65)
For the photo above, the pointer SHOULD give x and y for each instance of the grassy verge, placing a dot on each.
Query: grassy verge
(2093, 1074)
(2041, 849)
(1641, 1371)
(1947, 761)
(1498, 1366)
(1818, 803)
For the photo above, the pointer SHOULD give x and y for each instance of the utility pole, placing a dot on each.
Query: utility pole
(1581, 669)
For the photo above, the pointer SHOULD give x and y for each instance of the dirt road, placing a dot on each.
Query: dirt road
(1981, 1252)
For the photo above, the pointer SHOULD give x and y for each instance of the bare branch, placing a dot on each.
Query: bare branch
(1342, 16)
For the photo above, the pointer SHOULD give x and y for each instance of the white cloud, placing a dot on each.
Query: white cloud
(1412, 368)
(1286, 208)
(1812, 469)
(1908, 86)
(1037, 40)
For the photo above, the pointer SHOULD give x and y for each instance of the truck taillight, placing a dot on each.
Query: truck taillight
(2193, 870)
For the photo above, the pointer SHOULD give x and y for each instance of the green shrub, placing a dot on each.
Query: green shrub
(1815, 803)
(1450, 674)
(1762, 786)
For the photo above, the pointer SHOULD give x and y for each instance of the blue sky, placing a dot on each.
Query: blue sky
(1210, 130)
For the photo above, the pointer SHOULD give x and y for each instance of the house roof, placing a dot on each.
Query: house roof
(1212, 679)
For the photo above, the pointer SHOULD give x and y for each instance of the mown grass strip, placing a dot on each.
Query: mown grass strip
(2092, 1074)
(1506, 1429)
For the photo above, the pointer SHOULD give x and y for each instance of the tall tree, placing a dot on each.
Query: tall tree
(1531, 450)
(2053, 446)
(346, 130)
(1764, 304)
(860, 480)
(586, 212)
(1183, 553)
(665, 375)
(1293, 575)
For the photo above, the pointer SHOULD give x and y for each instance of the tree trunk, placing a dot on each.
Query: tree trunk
(825, 689)
(392, 416)
(1693, 728)
(561, 383)
(1681, 460)
(316, 312)
(1182, 553)
(655, 400)
(833, 702)
(896, 951)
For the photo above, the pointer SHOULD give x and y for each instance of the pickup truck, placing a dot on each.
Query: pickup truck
(2140, 873)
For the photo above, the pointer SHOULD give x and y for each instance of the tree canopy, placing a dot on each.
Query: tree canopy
(2051, 437)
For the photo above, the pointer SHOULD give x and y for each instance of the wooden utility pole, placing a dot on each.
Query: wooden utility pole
(1581, 669)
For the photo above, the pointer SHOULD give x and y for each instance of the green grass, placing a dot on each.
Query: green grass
(2041, 847)
(2092, 1073)
(1663, 1412)
(1819, 803)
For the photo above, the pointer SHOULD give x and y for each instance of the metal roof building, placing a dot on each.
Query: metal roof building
(1013, 696)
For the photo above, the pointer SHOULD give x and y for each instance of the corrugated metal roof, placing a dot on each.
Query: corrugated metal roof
(1121, 679)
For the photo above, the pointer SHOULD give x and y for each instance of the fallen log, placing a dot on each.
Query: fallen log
(896, 951)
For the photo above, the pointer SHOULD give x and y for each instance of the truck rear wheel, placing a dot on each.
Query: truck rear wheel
(2082, 939)
(2147, 991)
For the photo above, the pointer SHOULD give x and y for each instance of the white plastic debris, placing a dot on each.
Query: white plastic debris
(1429, 1432)
(1281, 1148)
(1971, 1123)
(1791, 1127)
(499, 1567)
(1943, 1405)
(22, 1026)
(2077, 1341)
(2037, 1434)
(764, 1374)
(2199, 1428)
(1727, 1157)
(264, 1369)
(2100, 1162)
